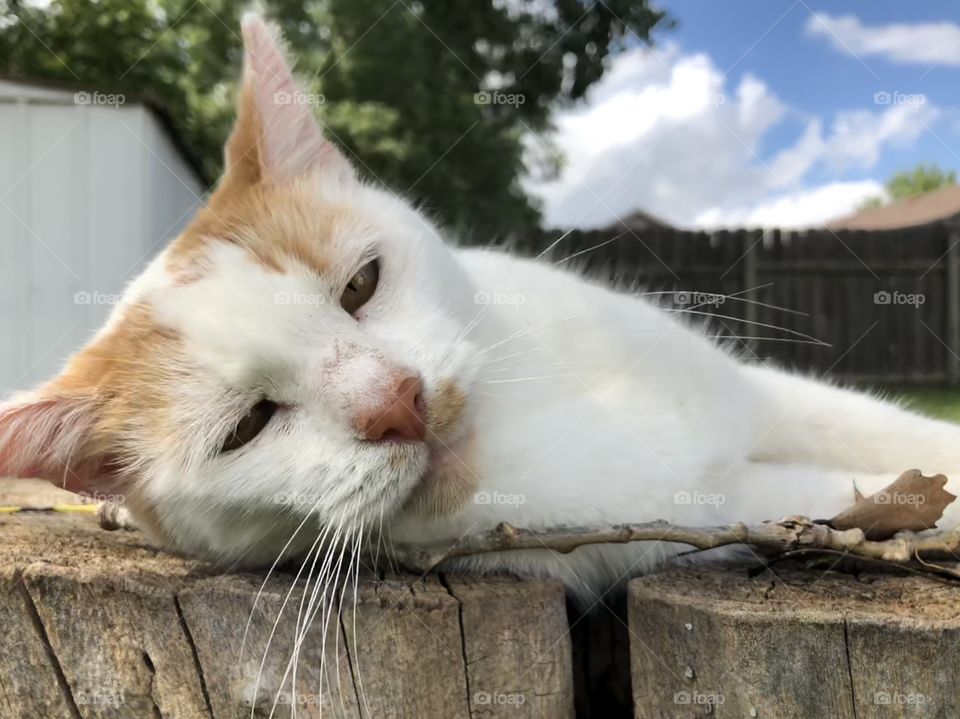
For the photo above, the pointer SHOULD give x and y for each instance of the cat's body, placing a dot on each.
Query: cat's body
(608, 409)
(309, 368)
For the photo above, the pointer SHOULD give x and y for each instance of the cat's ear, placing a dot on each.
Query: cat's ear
(276, 137)
(50, 437)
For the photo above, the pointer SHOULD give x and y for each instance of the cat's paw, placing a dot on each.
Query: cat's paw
(113, 516)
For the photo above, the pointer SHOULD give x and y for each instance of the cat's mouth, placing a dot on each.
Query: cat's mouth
(444, 456)
(440, 477)
(449, 480)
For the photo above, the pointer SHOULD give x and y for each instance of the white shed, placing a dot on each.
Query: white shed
(91, 187)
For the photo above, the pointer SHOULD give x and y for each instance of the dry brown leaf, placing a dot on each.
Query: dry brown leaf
(912, 501)
(857, 494)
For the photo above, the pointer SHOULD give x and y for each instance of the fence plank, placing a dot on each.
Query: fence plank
(953, 307)
(830, 280)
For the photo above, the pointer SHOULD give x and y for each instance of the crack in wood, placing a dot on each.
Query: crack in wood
(442, 578)
(196, 655)
(37, 620)
(148, 663)
(361, 700)
(846, 648)
(115, 594)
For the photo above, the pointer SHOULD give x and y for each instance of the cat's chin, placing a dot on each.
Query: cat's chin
(449, 481)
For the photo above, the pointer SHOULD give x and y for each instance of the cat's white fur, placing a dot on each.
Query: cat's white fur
(582, 405)
(644, 418)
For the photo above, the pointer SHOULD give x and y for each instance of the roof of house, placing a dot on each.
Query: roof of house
(933, 206)
(51, 89)
(636, 220)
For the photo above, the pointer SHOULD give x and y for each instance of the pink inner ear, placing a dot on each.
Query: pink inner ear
(291, 141)
(45, 438)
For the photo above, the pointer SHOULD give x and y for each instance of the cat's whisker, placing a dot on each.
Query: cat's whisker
(513, 366)
(354, 565)
(266, 649)
(298, 637)
(356, 581)
(320, 598)
(376, 558)
(518, 353)
(553, 244)
(303, 596)
(323, 596)
(787, 340)
(501, 370)
(734, 297)
(394, 562)
(389, 551)
(568, 375)
(754, 323)
(590, 249)
(324, 591)
(315, 547)
(266, 579)
(471, 325)
(528, 330)
(326, 594)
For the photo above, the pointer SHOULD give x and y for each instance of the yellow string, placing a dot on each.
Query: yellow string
(79, 508)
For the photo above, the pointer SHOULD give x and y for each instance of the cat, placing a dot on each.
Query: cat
(310, 366)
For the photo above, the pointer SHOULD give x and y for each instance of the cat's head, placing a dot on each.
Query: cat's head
(299, 353)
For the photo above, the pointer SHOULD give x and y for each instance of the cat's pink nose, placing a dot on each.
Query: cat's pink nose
(400, 415)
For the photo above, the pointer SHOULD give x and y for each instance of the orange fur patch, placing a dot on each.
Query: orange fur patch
(124, 376)
(452, 481)
(446, 409)
(278, 225)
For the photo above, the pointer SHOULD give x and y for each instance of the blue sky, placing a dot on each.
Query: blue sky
(787, 130)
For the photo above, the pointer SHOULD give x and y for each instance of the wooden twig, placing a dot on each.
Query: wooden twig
(789, 534)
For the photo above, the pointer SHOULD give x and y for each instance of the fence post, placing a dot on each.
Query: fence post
(750, 240)
(953, 305)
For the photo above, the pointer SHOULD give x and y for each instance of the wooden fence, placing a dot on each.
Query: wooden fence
(879, 307)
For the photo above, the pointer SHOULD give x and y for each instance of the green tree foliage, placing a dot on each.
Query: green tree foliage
(400, 80)
(922, 178)
(910, 183)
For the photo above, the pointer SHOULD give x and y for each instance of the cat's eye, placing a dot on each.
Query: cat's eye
(251, 425)
(361, 287)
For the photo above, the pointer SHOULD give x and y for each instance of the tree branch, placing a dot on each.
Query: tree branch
(788, 534)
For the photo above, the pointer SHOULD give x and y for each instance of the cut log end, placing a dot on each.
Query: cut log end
(100, 624)
(793, 642)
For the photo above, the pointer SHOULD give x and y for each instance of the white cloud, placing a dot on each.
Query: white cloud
(663, 133)
(916, 43)
(804, 208)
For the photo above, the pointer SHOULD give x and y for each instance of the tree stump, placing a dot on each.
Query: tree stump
(793, 642)
(100, 624)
